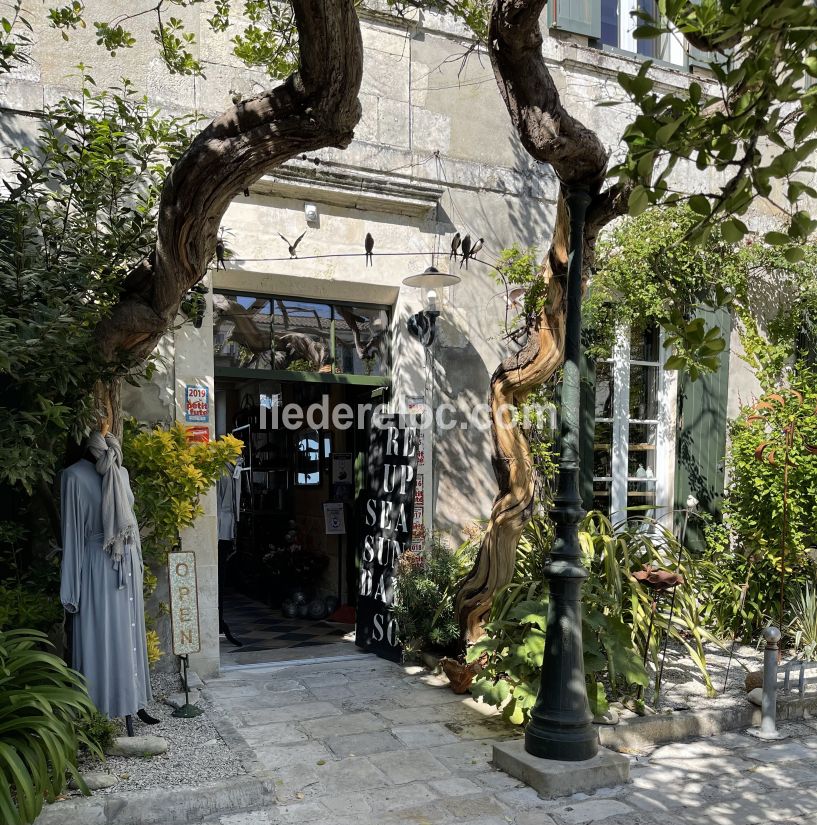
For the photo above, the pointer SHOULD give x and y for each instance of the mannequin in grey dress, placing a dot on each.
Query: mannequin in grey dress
(106, 603)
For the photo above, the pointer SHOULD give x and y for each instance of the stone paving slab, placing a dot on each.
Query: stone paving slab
(369, 742)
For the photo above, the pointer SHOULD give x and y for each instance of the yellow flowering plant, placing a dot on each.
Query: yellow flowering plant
(169, 475)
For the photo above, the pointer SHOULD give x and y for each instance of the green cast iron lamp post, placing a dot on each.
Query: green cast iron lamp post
(561, 725)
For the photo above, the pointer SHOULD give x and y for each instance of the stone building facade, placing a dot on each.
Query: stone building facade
(434, 154)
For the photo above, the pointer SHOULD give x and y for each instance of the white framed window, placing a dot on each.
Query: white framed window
(634, 440)
(618, 24)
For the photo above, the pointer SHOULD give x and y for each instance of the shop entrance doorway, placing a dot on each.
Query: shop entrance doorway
(288, 575)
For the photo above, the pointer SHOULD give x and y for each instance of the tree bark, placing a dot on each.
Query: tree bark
(551, 135)
(314, 108)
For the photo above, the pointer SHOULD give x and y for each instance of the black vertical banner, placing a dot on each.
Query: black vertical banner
(385, 531)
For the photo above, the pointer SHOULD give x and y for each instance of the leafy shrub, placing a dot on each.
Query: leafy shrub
(616, 617)
(98, 730)
(24, 605)
(43, 704)
(742, 576)
(169, 475)
(425, 589)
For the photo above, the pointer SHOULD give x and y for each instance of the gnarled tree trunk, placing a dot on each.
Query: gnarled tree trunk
(314, 108)
(550, 134)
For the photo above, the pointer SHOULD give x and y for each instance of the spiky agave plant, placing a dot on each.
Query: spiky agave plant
(804, 622)
(41, 703)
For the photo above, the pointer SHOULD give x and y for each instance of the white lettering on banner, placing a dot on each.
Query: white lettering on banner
(184, 603)
(387, 514)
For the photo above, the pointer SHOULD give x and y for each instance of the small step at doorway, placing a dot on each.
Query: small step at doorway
(266, 635)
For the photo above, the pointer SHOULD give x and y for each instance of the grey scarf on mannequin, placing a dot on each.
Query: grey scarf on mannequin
(118, 520)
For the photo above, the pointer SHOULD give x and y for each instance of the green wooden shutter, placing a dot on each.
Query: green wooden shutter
(701, 445)
(577, 16)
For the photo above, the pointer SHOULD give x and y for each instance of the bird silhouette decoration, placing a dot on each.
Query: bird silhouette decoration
(369, 246)
(466, 251)
(455, 245)
(292, 246)
(220, 254)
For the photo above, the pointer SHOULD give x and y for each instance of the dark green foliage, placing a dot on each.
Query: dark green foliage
(617, 612)
(97, 732)
(762, 59)
(78, 212)
(425, 589)
(43, 704)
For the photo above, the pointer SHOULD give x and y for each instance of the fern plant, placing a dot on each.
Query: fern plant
(43, 704)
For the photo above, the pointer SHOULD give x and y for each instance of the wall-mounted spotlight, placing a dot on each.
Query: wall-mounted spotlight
(423, 325)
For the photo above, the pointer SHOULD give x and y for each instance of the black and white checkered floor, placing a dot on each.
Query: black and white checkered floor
(259, 627)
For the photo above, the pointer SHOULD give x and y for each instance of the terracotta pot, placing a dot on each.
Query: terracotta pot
(460, 674)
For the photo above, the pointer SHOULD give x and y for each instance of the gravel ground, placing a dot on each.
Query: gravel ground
(683, 686)
(195, 754)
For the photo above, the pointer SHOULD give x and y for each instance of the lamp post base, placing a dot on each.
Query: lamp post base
(564, 744)
(553, 778)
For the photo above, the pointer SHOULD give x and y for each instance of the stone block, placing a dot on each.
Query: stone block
(410, 766)
(401, 796)
(781, 752)
(95, 780)
(592, 810)
(362, 744)
(343, 725)
(551, 777)
(276, 757)
(137, 746)
(644, 731)
(424, 736)
(456, 786)
(278, 733)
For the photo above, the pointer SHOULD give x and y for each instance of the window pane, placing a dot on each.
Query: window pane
(643, 392)
(641, 451)
(609, 22)
(641, 495)
(601, 496)
(302, 332)
(361, 340)
(242, 334)
(604, 390)
(647, 46)
(644, 344)
(603, 449)
(307, 458)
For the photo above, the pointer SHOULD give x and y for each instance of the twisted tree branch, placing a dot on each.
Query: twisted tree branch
(551, 135)
(314, 108)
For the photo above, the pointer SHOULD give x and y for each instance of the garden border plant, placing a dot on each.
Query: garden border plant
(616, 620)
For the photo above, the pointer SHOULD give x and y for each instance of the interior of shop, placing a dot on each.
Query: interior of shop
(287, 565)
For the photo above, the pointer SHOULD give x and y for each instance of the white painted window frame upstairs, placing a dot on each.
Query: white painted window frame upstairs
(669, 47)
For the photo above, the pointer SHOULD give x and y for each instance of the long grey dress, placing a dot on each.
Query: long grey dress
(109, 646)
